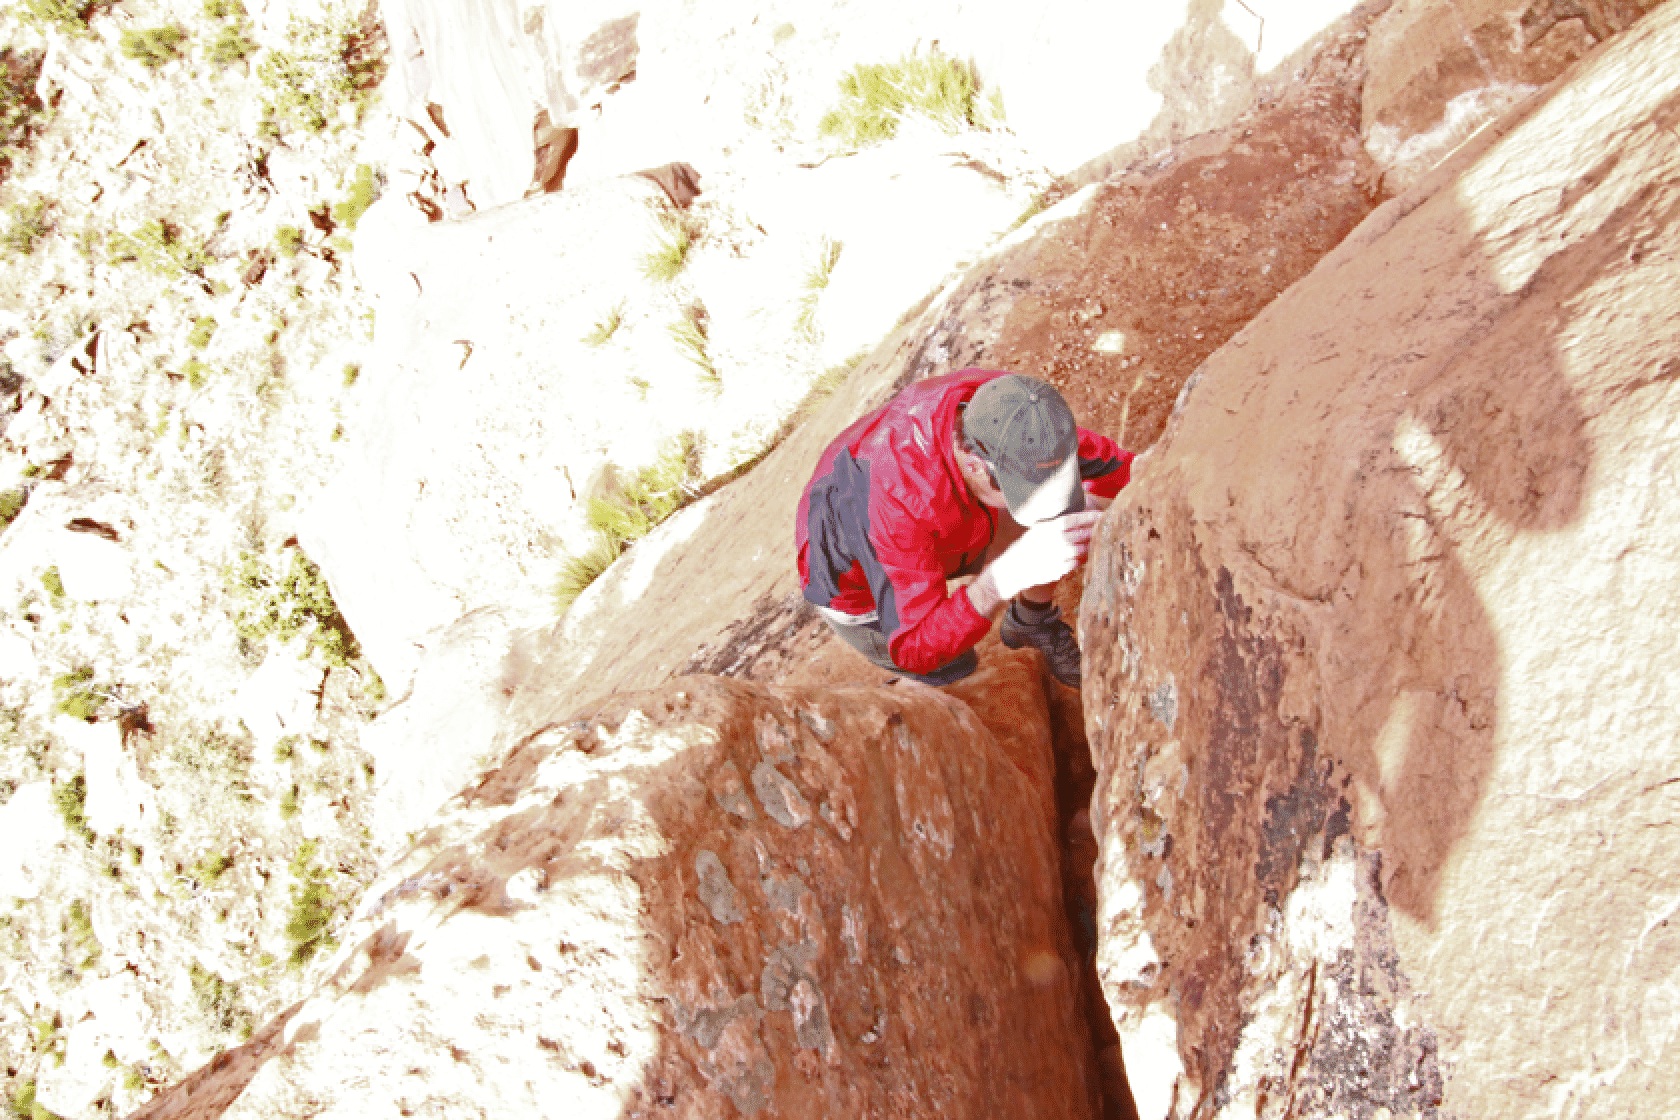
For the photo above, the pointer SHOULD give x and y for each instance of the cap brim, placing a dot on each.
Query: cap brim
(1055, 496)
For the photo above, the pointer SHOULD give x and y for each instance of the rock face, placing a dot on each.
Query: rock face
(715, 899)
(473, 78)
(1440, 71)
(1377, 646)
(488, 83)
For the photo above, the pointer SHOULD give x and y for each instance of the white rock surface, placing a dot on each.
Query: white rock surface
(91, 568)
(117, 1021)
(32, 828)
(280, 698)
(116, 797)
(17, 655)
(432, 743)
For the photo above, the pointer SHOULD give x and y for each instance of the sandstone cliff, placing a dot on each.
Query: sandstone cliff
(713, 900)
(1379, 645)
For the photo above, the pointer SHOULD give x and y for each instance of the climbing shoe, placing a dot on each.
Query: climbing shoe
(1045, 632)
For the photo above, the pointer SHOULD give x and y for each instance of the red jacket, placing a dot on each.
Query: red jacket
(886, 520)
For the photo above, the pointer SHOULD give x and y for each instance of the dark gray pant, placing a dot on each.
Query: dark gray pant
(867, 639)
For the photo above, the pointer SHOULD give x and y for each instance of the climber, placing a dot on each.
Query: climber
(975, 473)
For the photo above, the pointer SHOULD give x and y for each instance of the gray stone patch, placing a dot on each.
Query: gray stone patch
(733, 794)
(1163, 704)
(784, 891)
(786, 984)
(782, 970)
(716, 891)
(745, 1077)
(707, 1025)
(780, 797)
(775, 742)
(820, 725)
(810, 1016)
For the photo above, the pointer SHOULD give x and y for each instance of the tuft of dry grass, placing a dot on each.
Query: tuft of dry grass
(876, 96)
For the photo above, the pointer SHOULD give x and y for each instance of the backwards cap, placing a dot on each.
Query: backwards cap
(1026, 433)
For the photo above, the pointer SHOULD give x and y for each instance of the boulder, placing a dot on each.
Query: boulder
(1377, 645)
(714, 899)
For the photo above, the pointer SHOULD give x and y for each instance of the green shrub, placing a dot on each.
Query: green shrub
(203, 328)
(666, 261)
(649, 497)
(224, 9)
(77, 697)
(286, 604)
(363, 192)
(815, 281)
(83, 941)
(11, 504)
(876, 96)
(23, 1101)
(289, 239)
(218, 1000)
(693, 338)
(584, 568)
(212, 867)
(606, 328)
(153, 46)
(325, 66)
(21, 112)
(352, 371)
(289, 804)
(825, 384)
(69, 16)
(160, 248)
(70, 799)
(230, 45)
(196, 373)
(314, 905)
(26, 226)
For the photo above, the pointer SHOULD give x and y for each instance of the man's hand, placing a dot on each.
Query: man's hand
(1044, 554)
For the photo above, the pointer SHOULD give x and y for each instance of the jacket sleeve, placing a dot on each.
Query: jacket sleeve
(926, 627)
(1104, 467)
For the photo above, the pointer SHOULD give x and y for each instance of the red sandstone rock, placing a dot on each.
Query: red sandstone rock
(1439, 71)
(712, 900)
(1379, 645)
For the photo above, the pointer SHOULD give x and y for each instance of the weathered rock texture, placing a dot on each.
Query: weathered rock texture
(716, 899)
(1439, 71)
(1379, 647)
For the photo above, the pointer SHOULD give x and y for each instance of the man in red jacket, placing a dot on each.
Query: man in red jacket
(975, 473)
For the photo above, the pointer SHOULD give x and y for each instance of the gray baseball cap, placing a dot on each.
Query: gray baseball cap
(1026, 433)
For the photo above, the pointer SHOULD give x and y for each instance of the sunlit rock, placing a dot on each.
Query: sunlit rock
(1375, 645)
